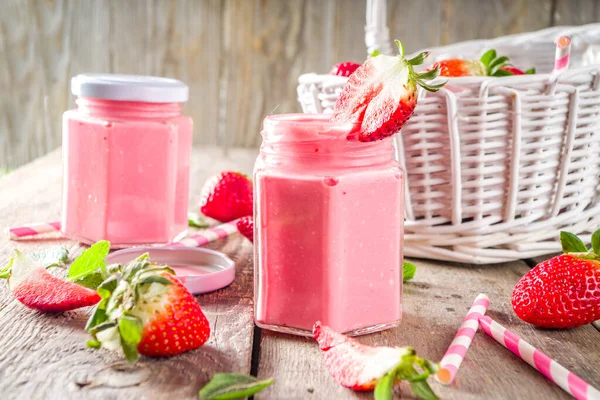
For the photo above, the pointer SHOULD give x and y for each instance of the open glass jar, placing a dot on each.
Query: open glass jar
(328, 228)
(126, 154)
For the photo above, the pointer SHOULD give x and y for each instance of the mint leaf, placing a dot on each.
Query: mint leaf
(408, 271)
(384, 388)
(232, 386)
(51, 257)
(422, 390)
(89, 261)
(596, 242)
(571, 243)
(197, 221)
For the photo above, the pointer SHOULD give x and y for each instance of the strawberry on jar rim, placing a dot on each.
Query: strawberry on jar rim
(562, 292)
(146, 310)
(382, 94)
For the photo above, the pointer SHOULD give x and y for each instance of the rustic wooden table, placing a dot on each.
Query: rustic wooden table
(44, 356)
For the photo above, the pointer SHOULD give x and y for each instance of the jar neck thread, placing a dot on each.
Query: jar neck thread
(126, 109)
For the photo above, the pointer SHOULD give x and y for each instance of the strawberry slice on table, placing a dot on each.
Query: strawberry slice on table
(246, 227)
(362, 368)
(227, 196)
(36, 288)
(564, 291)
(344, 69)
(382, 94)
(146, 310)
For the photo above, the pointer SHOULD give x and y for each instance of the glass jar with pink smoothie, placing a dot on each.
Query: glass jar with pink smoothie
(328, 228)
(126, 154)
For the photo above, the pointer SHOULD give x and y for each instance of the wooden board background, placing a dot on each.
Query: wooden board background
(241, 58)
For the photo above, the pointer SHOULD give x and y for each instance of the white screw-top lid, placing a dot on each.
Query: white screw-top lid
(149, 89)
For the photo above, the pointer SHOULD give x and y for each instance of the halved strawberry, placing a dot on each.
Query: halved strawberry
(361, 367)
(145, 309)
(382, 94)
(36, 288)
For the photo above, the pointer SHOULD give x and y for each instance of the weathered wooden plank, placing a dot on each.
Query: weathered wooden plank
(577, 12)
(44, 356)
(434, 305)
(474, 19)
(416, 23)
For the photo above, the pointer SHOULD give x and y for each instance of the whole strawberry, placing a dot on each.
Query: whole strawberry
(227, 196)
(37, 289)
(563, 292)
(145, 309)
(488, 65)
(382, 95)
(362, 368)
(246, 227)
(344, 69)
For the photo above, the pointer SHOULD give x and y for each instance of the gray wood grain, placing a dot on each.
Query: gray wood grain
(435, 303)
(240, 58)
(44, 356)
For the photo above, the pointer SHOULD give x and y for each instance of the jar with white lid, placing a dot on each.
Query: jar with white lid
(126, 155)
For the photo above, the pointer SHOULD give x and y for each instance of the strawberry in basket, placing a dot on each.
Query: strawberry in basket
(563, 292)
(382, 93)
(488, 65)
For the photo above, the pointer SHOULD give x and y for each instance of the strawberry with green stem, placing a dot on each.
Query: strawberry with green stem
(490, 64)
(564, 291)
(382, 94)
(362, 368)
(146, 310)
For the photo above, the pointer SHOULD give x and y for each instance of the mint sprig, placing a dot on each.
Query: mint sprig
(89, 263)
(406, 370)
(408, 271)
(232, 386)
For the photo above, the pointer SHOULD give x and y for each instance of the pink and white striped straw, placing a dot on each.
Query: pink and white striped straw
(208, 235)
(33, 230)
(205, 236)
(562, 55)
(552, 370)
(458, 348)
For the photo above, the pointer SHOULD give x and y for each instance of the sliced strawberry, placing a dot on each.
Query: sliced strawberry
(36, 288)
(246, 227)
(382, 94)
(344, 69)
(227, 196)
(146, 310)
(361, 367)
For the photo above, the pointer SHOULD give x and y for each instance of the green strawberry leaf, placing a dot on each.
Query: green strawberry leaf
(232, 386)
(89, 261)
(93, 344)
(6, 271)
(400, 47)
(408, 271)
(571, 243)
(487, 57)
(530, 71)
(52, 257)
(98, 315)
(420, 59)
(197, 221)
(596, 242)
(131, 328)
(502, 72)
(422, 390)
(385, 387)
(130, 351)
(106, 288)
(155, 279)
(375, 53)
(429, 74)
(498, 63)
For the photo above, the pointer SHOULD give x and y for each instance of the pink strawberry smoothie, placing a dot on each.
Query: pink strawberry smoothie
(329, 220)
(126, 171)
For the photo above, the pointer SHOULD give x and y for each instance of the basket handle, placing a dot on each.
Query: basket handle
(377, 34)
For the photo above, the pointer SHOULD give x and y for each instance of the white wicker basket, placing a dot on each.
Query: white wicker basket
(496, 166)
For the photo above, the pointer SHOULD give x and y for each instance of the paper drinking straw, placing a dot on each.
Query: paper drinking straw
(33, 230)
(552, 370)
(562, 55)
(458, 348)
(208, 235)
